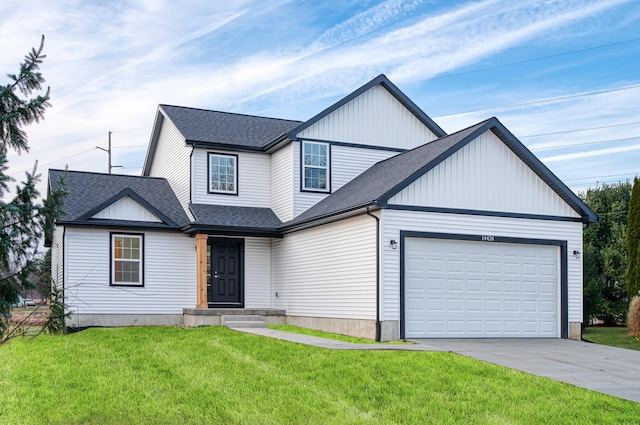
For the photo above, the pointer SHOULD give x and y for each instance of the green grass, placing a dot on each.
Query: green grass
(213, 375)
(322, 334)
(615, 337)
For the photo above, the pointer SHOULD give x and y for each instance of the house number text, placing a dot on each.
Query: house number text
(487, 238)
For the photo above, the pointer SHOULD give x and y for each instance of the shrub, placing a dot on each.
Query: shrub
(633, 319)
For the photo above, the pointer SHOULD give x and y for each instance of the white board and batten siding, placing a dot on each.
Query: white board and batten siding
(393, 221)
(254, 180)
(485, 175)
(373, 118)
(327, 271)
(127, 209)
(169, 286)
(346, 164)
(171, 161)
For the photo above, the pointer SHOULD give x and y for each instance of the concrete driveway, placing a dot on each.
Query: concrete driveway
(609, 370)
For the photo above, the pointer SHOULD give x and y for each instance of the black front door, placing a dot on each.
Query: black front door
(225, 287)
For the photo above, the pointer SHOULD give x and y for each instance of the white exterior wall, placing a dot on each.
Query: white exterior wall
(57, 256)
(346, 164)
(485, 175)
(327, 271)
(127, 209)
(254, 180)
(393, 221)
(169, 275)
(373, 118)
(282, 186)
(257, 273)
(171, 161)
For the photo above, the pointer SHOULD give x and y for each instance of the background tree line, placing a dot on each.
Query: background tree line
(610, 252)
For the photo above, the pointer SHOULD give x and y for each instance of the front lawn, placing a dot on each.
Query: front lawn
(615, 337)
(213, 375)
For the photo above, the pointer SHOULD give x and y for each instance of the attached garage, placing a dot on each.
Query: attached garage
(465, 286)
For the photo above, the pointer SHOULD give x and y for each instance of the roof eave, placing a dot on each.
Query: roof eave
(268, 232)
(328, 218)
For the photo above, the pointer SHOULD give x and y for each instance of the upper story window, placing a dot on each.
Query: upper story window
(127, 259)
(315, 166)
(223, 173)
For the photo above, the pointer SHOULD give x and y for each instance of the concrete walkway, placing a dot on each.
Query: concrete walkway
(609, 370)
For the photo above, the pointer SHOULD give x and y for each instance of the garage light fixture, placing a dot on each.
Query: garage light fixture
(393, 243)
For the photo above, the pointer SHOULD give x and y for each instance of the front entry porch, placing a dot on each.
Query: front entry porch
(193, 317)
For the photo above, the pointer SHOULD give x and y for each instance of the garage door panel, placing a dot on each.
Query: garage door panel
(492, 290)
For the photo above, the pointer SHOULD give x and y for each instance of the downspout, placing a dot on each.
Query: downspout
(378, 330)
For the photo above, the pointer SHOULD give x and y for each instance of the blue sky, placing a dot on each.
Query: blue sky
(563, 76)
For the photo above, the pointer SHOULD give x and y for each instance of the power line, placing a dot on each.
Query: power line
(582, 144)
(550, 99)
(523, 61)
(581, 129)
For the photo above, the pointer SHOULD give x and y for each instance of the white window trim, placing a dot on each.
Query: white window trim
(235, 173)
(304, 188)
(112, 277)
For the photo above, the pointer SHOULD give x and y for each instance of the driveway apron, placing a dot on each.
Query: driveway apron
(610, 370)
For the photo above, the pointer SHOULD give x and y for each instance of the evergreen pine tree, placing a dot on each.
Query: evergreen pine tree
(633, 241)
(23, 219)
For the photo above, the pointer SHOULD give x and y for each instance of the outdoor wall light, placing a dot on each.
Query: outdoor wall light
(393, 243)
(576, 253)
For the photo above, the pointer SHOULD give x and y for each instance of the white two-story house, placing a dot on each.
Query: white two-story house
(367, 219)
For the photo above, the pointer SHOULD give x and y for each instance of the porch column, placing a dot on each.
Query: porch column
(201, 271)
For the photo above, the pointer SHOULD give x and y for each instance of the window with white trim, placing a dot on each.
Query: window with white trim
(315, 166)
(223, 173)
(127, 253)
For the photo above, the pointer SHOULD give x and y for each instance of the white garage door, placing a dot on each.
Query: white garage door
(458, 289)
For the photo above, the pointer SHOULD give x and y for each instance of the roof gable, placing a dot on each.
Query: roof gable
(377, 185)
(384, 82)
(129, 206)
(484, 175)
(93, 193)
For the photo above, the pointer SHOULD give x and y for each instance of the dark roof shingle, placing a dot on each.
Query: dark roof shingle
(88, 191)
(225, 128)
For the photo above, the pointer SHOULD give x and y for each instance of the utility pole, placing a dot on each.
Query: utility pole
(108, 151)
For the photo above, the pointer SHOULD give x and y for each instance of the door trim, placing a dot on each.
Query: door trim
(240, 241)
(564, 273)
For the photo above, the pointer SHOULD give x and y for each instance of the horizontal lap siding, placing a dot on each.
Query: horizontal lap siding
(171, 161)
(282, 183)
(394, 221)
(254, 180)
(169, 275)
(346, 164)
(327, 271)
(257, 269)
(57, 256)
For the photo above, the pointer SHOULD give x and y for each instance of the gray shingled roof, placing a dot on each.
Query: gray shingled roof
(386, 178)
(381, 178)
(91, 192)
(224, 128)
(232, 216)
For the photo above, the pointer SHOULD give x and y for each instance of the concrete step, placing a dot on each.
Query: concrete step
(242, 321)
(245, 324)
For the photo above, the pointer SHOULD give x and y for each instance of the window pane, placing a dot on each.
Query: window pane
(222, 173)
